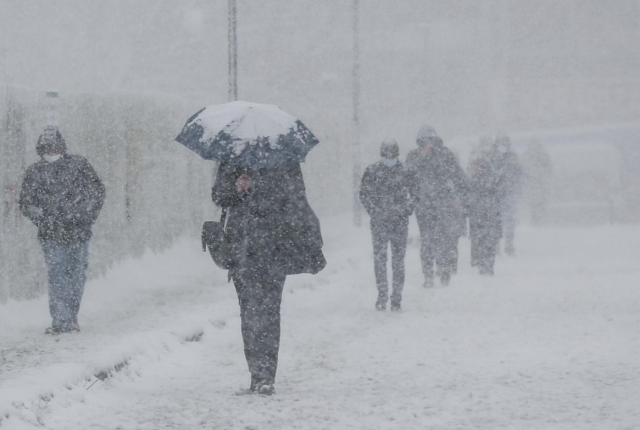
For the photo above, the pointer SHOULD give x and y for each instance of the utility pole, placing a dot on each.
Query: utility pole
(357, 209)
(233, 50)
(52, 117)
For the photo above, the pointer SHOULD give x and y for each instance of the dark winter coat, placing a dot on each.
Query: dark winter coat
(511, 177)
(486, 193)
(439, 189)
(63, 199)
(271, 226)
(384, 193)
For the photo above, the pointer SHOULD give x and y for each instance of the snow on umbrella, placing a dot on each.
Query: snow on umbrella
(250, 135)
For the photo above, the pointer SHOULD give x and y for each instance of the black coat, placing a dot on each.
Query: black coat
(63, 199)
(439, 188)
(486, 193)
(510, 170)
(384, 193)
(271, 227)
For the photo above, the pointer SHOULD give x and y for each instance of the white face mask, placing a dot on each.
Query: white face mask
(390, 162)
(50, 158)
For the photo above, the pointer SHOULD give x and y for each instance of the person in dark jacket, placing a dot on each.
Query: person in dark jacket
(272, 232)
(62, 195)
(384, 193)
(486, 192)
(511, 176)
(439, 189)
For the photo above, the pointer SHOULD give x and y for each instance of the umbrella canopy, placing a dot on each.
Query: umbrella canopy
(245, 134)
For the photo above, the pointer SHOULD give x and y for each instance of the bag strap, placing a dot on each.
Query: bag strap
(223, 216)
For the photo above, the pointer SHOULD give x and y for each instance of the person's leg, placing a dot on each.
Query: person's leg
(55, 258)
(245, 290)
(509, 224)
(78, 260)
(270, 333)
(493, 246)
(427, 247)
(260, 296)
(380, 245)
(473, 237)
(537, 212)
(488, 248)
(446, 252)
(398, 252)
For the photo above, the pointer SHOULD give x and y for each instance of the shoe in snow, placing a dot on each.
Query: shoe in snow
(255, 382)
(445, 279)
(486, 271)
(73, 328)
(381, 305)
(262, 386)
(266, 390)
(245, 392)
(53, 330)
(395, 307)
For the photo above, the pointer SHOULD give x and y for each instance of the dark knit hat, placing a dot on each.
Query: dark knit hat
(389, 149)
(427, 134)
(51, 141)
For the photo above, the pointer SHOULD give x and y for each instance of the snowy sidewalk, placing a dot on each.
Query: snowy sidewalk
(551, 342)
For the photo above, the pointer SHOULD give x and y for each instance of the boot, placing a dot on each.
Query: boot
(53, 330)
(445, 278)
(262, 386)
(510, 250)
(428, 282)
(485, 270)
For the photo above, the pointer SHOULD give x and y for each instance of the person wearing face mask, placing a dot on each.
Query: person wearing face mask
(384, 193)
(62, 195)
(439, 187)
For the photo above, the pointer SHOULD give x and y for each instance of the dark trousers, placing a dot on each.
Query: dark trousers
(509, 217)
(485, 237)
(385, 233)
(260, 295)
(66, 266)
(439, 245)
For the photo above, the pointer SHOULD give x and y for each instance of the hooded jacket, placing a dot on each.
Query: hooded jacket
(63, 199)
(439, 188)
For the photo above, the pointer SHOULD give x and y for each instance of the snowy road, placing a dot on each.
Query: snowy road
(551, 342)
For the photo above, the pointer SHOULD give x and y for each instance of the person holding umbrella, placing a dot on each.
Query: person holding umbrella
(271, 231)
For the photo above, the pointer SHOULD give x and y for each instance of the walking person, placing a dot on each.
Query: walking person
(62, 195)
(384, 193)
(510, 170)
(439, 188)
(273, 232)
(486, 191)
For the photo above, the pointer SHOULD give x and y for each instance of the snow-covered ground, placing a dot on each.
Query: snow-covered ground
(551, 342)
